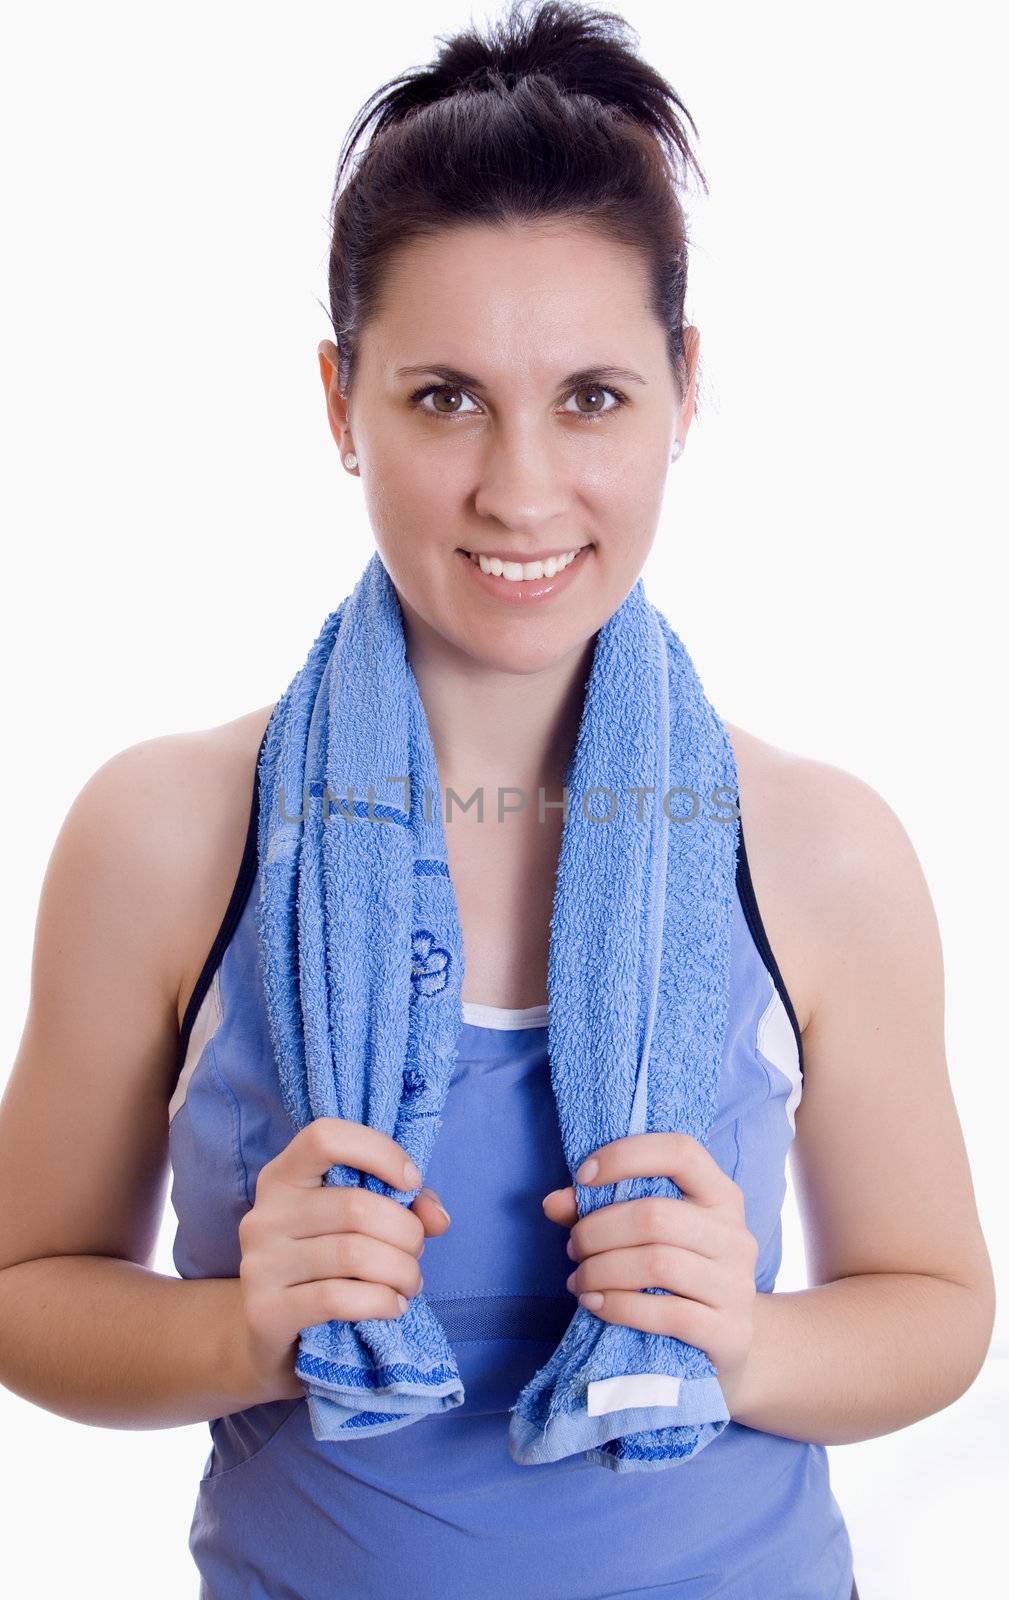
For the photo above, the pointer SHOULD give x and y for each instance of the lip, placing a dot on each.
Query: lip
(526, 590)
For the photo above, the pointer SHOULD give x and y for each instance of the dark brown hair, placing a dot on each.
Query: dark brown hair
(550, 116)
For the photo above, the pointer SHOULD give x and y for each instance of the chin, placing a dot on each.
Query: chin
(530, 648)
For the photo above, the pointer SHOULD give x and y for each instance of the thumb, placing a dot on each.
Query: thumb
(431, 1212)
(561, 1207)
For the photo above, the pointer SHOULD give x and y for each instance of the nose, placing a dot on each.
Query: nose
(522, 484)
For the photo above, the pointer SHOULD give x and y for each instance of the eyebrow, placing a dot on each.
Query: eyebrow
(465, 380)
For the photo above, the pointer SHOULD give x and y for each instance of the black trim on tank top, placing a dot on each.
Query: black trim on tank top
(748, 901)
(236, 905)
(246, 878)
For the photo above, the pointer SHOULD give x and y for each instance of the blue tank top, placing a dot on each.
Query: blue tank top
(440, 1508)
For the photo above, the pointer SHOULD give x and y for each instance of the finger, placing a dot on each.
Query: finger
(332, 1141)
(688, 1320)
(669, 1155)
(347, 1300)
(653, 1219)
(431, 1212)
(356, 1257)
(560, 1207)
(335, 1208)
(656, 1266)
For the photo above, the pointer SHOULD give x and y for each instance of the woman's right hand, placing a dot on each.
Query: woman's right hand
(313, 1252)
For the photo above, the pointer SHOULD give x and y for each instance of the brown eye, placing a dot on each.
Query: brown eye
(440, 394)
(432, 392)
(596, 391)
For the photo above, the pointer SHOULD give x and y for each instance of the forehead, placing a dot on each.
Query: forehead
(535, 295)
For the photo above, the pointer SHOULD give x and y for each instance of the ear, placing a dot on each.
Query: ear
(691, 347)
(336, 404)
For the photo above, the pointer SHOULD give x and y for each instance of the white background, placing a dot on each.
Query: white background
(179, 526)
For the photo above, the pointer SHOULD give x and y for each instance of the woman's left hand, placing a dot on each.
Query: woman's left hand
(698, 1246)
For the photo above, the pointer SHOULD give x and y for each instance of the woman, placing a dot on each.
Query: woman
(514, 224)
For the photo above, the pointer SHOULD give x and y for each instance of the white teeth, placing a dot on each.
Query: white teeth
(518, 571)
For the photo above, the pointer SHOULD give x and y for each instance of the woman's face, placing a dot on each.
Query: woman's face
(505, 454)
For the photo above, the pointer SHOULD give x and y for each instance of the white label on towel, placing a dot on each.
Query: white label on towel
(632, 1389)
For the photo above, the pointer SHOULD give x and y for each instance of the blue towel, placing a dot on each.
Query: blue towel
(362, 960)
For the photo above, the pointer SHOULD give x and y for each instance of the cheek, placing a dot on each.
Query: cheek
(411, 505)
(623, 494)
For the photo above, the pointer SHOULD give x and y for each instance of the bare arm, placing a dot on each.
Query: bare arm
(859, 1357)
(901, 1317)
(87, 1330)
(109, 1342)
(138, 880)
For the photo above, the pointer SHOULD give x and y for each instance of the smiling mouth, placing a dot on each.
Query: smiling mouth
(522, 571)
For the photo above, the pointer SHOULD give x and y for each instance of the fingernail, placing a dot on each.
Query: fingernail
(571, 1250)
(571, 1279)
(591, 1300)
(435, 1201)
(412, 1176)
(402, 1302)
(587, 1171)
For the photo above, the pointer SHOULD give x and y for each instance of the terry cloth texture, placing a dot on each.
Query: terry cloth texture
(362, 959)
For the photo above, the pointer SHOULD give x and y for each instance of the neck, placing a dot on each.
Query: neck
(495, 728)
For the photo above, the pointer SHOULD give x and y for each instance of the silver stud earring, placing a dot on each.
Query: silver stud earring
(677, 450)
(350, 460)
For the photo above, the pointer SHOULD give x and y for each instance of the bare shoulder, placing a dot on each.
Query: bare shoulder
(214, 770)
(879, 1162)
(137, 883)
(198, 787)
(824, 847)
